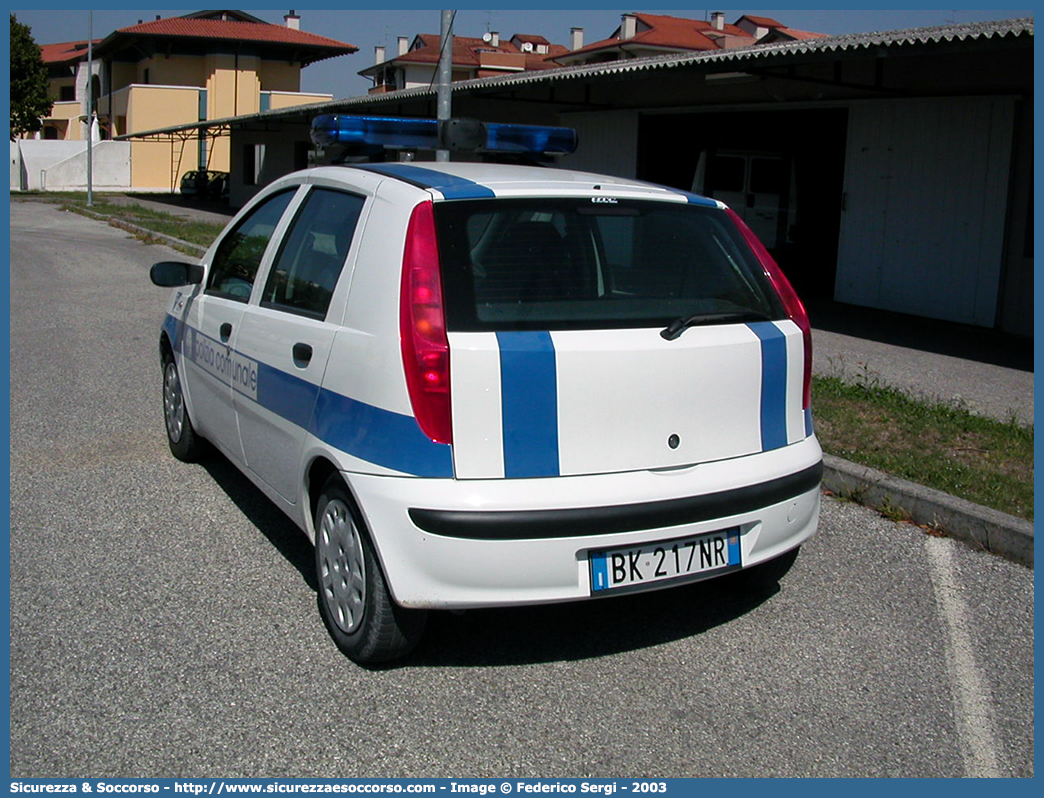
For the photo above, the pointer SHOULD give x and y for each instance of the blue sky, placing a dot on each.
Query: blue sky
(368, 28)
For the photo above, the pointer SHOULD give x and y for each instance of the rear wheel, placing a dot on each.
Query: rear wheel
(354, 600)
(184, 443)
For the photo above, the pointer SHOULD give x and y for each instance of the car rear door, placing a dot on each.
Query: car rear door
(289, 331)
(213, 370)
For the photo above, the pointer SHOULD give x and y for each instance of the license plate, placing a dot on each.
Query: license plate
(635, 567)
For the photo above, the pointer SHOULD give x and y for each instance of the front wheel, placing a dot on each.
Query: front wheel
(184, 443)
(354, 600)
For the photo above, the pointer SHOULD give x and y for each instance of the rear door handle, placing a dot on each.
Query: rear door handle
(225, 331)
(302, 355)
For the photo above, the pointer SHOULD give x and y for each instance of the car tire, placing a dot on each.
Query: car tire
(354, 601)
(764, 576)
(184, 443)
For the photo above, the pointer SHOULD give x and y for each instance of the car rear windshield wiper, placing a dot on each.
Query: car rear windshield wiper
(678, 326)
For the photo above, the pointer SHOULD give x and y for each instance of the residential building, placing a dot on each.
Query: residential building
(415, 63)
(639, 35)
(643, 35)
(180, 70)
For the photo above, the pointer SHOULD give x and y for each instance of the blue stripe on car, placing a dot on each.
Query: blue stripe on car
(379, 436)
(773, 384)
(286, 395)
(172, 327)
(696, 199)
(370, 433)
(529, 404)
(451, 186)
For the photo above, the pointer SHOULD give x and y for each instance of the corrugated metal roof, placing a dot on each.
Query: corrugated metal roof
(733, 58)
(736, 57)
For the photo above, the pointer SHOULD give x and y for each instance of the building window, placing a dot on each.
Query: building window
(145, 76)
(66, 94)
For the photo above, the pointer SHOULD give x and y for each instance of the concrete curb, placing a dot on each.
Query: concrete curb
(982, 527)
(177, 243)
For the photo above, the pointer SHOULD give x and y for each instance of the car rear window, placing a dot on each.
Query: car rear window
(562, 264)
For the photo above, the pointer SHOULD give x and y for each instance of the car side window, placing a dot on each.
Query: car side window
(313, 253)
(239, 254)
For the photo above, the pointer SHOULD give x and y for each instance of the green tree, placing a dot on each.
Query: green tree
(29, 98)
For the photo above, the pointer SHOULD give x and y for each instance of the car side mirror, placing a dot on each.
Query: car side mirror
(171, 273)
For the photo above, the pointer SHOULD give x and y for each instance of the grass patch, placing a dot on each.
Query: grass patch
(194, 232)
(943, 447)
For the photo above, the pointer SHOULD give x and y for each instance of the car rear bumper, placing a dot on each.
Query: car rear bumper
(483, 543)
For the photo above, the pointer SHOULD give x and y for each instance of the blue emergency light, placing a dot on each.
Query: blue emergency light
(366, 133)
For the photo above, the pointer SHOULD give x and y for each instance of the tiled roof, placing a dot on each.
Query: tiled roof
(676, 33)
(527, 37)
(234, 30)
(425, 50)
(64, 51)
(763, 22)
(783, 33)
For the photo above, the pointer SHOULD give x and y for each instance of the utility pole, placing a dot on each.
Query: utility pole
(445, 75)
(90, 105)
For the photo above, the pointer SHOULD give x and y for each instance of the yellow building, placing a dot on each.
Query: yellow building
(176, 71)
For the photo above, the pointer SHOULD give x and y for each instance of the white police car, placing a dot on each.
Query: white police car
(479, 385)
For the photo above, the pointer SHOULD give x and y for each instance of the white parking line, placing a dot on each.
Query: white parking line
(973, 709)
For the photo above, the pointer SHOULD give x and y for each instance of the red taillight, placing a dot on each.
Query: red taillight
(422, 328)
(795, 310)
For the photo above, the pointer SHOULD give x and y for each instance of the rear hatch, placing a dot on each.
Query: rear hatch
(591, 335)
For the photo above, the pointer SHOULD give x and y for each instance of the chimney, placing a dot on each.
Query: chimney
(378, 54)
(718, 20)
(292, 20)
(404, 45)
(495, 38)
(158, 17)
(628, 26)
(576, 38)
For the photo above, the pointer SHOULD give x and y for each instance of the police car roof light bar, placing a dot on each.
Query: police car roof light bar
(530, 139)
(366, 132)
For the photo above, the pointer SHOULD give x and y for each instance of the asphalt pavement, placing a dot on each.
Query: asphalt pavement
(163, 619)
